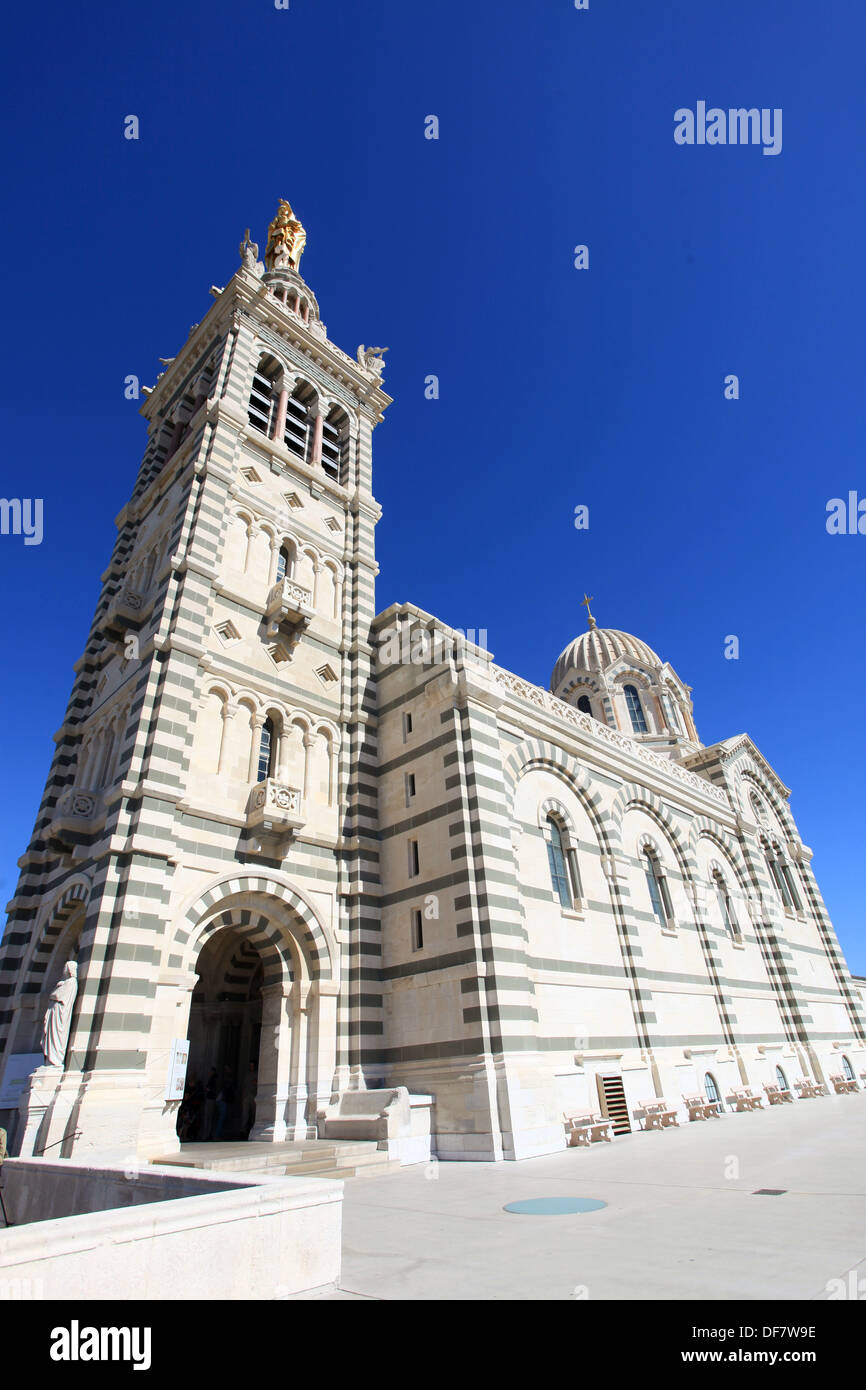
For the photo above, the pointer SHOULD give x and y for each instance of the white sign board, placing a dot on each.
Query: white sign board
(177, 1069)
(17, 1073)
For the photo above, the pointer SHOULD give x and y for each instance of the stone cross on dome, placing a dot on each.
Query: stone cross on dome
(587, 600)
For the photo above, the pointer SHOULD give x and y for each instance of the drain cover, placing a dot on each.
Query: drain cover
(554, 1206)
(770, 1192)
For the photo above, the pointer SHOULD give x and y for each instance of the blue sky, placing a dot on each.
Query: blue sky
(558, 387)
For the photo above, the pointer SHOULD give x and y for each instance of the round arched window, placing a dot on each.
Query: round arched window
(711, 1090)
(847, 1069)
(781, 1079)
(635, 710)
(584, 705)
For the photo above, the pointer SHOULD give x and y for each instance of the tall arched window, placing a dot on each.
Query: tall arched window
(584, 705)
(298, 433)
(781, 1079)
(285, 562)
(775, 875)
(790, 883)
(262, 398)
(847, 1069)
(658, 889)
(335, 435)
(564, 868)
(726, 907)
(711, 1090)
(635, 709)
(266, 750)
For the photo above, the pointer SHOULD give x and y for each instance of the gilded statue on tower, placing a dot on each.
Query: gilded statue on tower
(286, 240)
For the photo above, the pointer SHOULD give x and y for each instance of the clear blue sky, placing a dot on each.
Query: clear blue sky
(558, 387)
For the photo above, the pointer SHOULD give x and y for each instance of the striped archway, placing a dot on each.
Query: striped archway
(271, 913)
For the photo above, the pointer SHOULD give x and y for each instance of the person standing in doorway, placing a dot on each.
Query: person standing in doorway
(210, 1095)
(249, 1086)
(225, 1096)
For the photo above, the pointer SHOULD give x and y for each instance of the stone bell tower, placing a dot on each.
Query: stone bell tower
(207, 800)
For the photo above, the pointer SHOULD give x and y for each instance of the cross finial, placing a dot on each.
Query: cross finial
(587, 600)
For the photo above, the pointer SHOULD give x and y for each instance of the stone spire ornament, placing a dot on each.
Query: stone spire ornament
(286, 240)
(58, 1016)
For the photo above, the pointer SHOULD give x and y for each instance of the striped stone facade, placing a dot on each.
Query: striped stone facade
(512, 1009)
(150, 837)
(380, 884)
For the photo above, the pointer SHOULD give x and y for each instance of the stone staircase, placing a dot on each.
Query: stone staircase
(306, 1158)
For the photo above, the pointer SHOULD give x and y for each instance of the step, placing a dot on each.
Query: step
(373, 1170)
(360, 1163)
(292, 1158)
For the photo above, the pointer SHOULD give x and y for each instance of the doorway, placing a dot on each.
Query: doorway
(225, 1028)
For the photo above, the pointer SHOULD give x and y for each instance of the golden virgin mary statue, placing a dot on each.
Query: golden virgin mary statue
(286, 240)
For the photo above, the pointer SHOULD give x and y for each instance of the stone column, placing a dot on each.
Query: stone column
(272, 567)
(228, 714)
(282, 763)
(309, 741)
(318, 422)
(323, 1042)
(333, 755)
(252, 532)
(276, 1064)
(296, 1115)
(280, 417)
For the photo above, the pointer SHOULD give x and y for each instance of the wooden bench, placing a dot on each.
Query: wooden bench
(656, 1114)
(841, 1084)
(586, 1127)
(700, 1108)
(744, 1099)
(778, 1095)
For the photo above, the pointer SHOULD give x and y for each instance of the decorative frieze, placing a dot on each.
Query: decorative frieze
(542, 699)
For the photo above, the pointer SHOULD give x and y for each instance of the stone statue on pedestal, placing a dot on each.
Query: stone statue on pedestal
(58, 1016)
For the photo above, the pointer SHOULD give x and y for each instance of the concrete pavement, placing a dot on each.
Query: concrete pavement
(682, 1220)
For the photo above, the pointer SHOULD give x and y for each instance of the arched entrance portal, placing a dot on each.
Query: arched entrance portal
(225, 1027)
(266, 989)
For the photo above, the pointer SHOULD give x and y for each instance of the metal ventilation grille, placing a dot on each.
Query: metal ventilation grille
(613, 1103)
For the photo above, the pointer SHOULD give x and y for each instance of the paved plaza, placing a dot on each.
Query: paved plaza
(682, 1220)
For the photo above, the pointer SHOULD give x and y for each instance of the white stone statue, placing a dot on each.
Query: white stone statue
(373, 358)
(58, 1016)
(249, 253)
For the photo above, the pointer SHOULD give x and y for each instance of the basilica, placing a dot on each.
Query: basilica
(273, 846)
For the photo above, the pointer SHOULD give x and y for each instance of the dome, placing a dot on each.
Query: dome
(597, 649)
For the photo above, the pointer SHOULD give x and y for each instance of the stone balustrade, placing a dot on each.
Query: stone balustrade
(275, 806)
(125, 609)
(78, 812)
(288, 602)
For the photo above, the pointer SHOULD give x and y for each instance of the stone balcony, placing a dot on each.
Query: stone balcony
(125, 610)
(291, 603)
(77, 813)
(275, 807)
